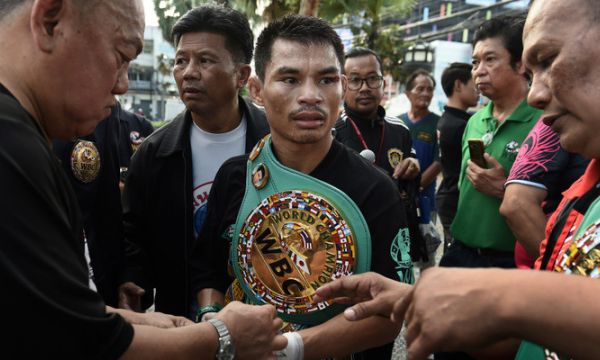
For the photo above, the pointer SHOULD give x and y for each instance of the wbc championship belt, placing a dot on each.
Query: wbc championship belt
(293, 234)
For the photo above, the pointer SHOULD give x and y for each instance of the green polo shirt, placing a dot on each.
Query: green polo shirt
(478, 222)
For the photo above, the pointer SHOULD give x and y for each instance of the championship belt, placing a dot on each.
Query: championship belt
(293, 234)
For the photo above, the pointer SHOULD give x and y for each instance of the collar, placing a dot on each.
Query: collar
(589, 179)
(177, 134)
(457, 112)
(5, 91)
(36, 124)
(360, 119)
(522, 113)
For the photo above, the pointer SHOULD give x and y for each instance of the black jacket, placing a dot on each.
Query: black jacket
(395, 135)
(100, 203)
(157, 207)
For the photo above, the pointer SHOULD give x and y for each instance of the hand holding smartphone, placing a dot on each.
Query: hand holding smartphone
(476, 151)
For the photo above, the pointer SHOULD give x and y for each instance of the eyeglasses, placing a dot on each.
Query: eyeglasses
(373, 82)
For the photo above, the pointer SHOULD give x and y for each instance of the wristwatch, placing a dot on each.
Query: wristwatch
(226, 349)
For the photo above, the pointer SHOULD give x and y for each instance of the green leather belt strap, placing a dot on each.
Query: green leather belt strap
(280, 179)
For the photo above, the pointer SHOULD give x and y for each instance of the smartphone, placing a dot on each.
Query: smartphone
(476, 150)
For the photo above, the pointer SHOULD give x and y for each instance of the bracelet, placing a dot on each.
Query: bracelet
(207, 309)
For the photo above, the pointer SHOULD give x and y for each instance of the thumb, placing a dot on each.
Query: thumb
(365, 309)
(491, 160)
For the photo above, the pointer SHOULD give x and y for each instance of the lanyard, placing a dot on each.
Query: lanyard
(362, 139)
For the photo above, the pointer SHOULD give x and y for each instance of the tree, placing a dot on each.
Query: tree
(367, 19)
(371, 24)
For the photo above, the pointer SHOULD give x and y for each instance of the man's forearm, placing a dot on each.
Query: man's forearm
(554, 310)
(430, 174)
(522, 209)
(339, 337)
(210, 296)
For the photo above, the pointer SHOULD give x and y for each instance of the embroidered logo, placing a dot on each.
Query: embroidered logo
(400, 253)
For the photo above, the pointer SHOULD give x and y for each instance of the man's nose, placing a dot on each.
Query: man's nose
(539, 93)
(310, 93)
(122, 84)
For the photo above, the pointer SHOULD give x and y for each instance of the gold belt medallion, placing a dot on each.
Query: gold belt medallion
(85, 161)
(292, 243)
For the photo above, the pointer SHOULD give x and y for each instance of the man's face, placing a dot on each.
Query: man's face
(565, 70)
(206, 73)
(364, 100)
(469, 94)
(492, 72)
(301, 92)
(88, 66)
(421, 93)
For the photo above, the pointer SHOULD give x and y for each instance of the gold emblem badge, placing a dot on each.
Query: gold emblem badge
(85, 161)
(258, 148)
(395, 156)
(260, 176)
(291, 244)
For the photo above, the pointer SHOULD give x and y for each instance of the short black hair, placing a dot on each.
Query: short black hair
(509, 29)
(411, 78)
(299, 28)
(456, 71)
(363, 51)
(231, 24)
(6, 6)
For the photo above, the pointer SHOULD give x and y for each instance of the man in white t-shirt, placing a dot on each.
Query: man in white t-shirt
(171, 174)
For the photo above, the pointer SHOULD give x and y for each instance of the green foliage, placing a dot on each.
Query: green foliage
(367, 19)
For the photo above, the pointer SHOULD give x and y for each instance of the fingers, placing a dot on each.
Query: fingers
(181, 321)
(269, 309)
(277, 324)
(417, 350)
(130, 296)
(347, 286)
(400, 308)
(491, 160)
(365, 309)
(401, 169)
(279, 342)
(411, 326)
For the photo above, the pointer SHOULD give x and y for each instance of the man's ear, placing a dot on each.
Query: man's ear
(243, 74)
(45, 18)
(458, 86)
(255, 87)
(344, 86)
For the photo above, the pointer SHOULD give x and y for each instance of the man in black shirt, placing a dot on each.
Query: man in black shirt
(134, 129)
(364, 127)
(462, 94)
(77, 57)
(95, 180)
(302, 172)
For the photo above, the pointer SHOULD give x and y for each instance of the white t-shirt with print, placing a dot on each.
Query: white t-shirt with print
(209, 152)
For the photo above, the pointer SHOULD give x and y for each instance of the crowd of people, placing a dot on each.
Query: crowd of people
(286, 225)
